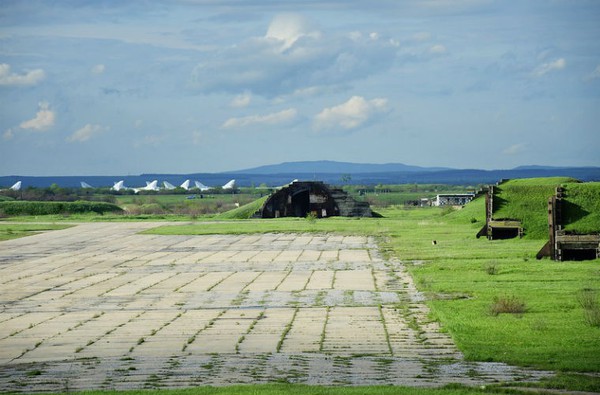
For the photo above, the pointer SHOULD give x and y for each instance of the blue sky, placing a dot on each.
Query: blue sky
(103, 87)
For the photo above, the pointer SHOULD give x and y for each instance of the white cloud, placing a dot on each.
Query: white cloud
(31, 77)
(85, 133)
(241, 100)
(98, 69)
(545, 68)
(8, 135)
(421, 36)
(349, 115)
(149, 140)
(438, 49)
(355, 35)
(515, 149)
(289, 28)
(43, 120)
(293, 57)
(594, 74)
(269, 119)
(197, 137)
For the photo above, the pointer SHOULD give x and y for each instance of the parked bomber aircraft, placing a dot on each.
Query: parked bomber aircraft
(229, 185)
(150, 186)
(153, 186)
(119, 186)
(201, 186)
(169, 186)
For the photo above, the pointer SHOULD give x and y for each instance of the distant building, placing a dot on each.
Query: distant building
(453, 199)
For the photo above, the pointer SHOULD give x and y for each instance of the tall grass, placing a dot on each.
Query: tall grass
(588, 300)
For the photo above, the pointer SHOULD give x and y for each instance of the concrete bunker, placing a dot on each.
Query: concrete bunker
(302, 198)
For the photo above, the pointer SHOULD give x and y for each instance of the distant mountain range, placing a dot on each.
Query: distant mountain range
(328, 166)
(327, 171)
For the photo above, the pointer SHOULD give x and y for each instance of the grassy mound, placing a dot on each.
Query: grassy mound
(473, 212)
(6, 199)
(581, 208)
(526, 200)
(244, 212)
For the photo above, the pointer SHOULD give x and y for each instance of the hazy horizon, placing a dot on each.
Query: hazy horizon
(196, 86)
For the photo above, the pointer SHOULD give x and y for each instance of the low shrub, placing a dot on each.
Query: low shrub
(507, 304)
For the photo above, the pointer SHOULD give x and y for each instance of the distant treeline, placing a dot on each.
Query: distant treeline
(16, 208)
(454, 177)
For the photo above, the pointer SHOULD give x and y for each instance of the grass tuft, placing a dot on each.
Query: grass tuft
(507, 305)
(491, 268)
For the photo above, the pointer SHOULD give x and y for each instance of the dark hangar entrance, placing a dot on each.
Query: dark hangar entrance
(302, 198)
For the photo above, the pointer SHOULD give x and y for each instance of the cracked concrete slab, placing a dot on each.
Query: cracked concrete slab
(99, 306)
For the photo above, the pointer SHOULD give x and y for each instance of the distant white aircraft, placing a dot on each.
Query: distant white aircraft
(16, 186)
(201, 186)
(186, 185)
(170, 187)
(229, 185)
(119, 185)
(85, 185)
(150, 186)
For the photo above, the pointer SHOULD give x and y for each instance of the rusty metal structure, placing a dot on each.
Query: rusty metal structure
(301, 198)
(562, 246)
(495, 229)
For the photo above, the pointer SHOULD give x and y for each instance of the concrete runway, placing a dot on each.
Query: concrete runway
(98, 306)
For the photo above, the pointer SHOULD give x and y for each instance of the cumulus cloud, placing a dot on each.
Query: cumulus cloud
(349, 115)
(557, 64)
(269, 119)
(44, 119)
(241, 100)
(85, 133)
(289, 28)
(31, 77)
(514, 149)
(290, 57)
(98, 69)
